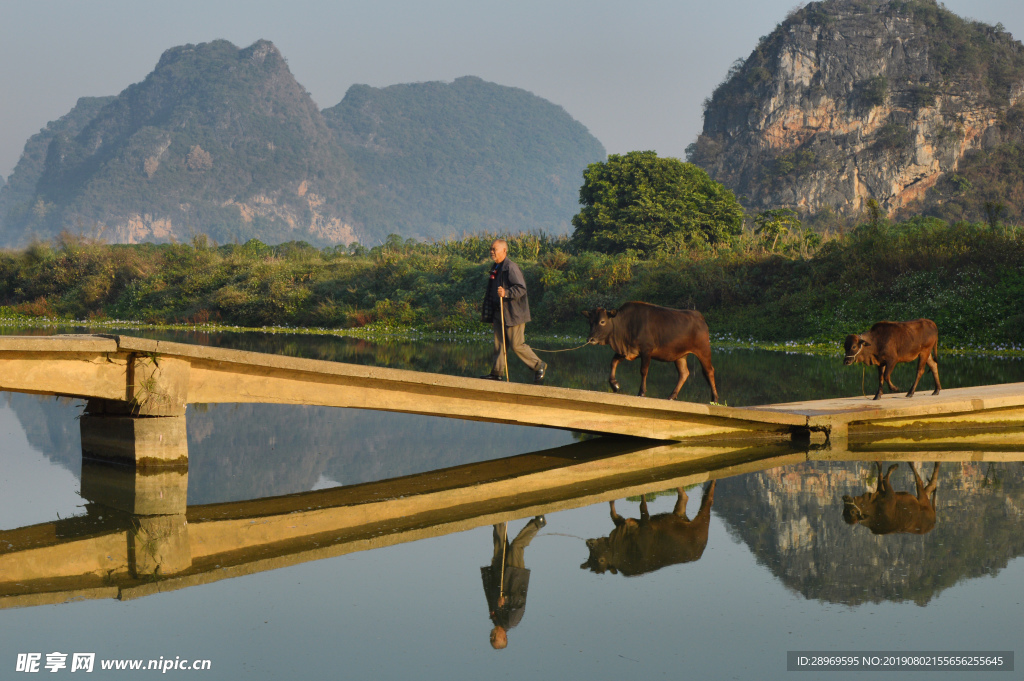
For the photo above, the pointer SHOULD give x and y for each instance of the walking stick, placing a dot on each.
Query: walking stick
(504, 350)
(504, 543)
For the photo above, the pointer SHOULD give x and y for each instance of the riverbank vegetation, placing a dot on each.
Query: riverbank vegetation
(811, 288)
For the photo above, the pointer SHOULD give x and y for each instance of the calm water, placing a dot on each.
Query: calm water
(780, 570)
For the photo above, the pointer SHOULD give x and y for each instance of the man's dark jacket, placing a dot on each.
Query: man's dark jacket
(517, 581)
(517, 306)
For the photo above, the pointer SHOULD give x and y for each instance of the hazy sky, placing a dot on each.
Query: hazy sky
(635, 73)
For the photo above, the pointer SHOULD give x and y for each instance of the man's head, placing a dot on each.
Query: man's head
(499, 249)
(499, 639)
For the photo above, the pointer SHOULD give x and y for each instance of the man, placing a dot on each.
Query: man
(505, 587)
(506, 288)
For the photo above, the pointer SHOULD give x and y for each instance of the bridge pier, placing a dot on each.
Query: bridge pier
(142, 442)
(137, 467)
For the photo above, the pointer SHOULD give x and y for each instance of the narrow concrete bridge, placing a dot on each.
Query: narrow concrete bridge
(127, 380)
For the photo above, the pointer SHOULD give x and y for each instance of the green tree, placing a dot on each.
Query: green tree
(771, 224)
(994, 211)
(640, 202)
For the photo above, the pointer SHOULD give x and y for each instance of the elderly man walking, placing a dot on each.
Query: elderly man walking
(506, 289)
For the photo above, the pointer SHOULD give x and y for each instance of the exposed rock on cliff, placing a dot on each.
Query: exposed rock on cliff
(213, 129)
(849, 100)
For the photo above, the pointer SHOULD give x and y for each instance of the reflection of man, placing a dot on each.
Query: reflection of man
(506, 289)
(505, 589)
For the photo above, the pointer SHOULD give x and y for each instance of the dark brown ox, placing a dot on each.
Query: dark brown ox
(885, 511)
(638, 546)
(889, 343)
(652, 332)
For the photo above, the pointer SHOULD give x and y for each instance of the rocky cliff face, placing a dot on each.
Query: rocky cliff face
(851, 100)
(216, 139)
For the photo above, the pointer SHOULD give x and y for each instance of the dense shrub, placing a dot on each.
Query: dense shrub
(968, 277)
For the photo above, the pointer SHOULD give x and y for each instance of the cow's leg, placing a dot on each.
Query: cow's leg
(922, 362)
(706, 501)
(918, 483)
(888, 474)
(934, 366)
(879, 486)
(681, 499)
(709, 371)
(933, 482)
(645, 366)
(611, 378)
(888, 375)
(684, 373)
(885, 376)
(616, 518)
(644, 513)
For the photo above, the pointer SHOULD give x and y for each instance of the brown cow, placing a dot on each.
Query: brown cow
(889, 343)
(652, 332)
(638, 546)
(885, 511)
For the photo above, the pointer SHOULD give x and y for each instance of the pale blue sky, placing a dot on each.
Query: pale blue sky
(634, 73)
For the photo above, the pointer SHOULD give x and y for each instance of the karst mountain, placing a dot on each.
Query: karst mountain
(223, 141)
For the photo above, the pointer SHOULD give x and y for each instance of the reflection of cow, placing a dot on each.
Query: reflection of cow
(638, 546)
(885, 511)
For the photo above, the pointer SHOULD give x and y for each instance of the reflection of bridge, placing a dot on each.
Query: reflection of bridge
(124, 378)
(138, 537)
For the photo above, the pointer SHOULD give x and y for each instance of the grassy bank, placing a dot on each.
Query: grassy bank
(807, 294)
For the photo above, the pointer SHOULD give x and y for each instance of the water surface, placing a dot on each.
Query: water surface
(780, 570)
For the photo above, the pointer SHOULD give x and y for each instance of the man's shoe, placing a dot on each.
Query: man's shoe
(541, 521)
(538, 376)
(491, 377)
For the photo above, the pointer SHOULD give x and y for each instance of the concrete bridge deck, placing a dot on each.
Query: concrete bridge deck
(127, 376)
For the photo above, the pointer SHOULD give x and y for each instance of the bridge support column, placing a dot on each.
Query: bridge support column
(142, 442)
(158, 545)
(136, 491)
(154, 386)
(839, 437)
(152, 501)
(147, 428)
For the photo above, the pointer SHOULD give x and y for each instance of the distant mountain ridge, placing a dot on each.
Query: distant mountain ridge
(223, 141)
(467, 155)
(899, 101)
(20, 188)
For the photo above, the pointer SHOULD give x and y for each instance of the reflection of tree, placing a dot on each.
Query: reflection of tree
(791, 518)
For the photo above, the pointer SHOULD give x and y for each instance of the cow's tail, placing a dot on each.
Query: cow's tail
(935, 349)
